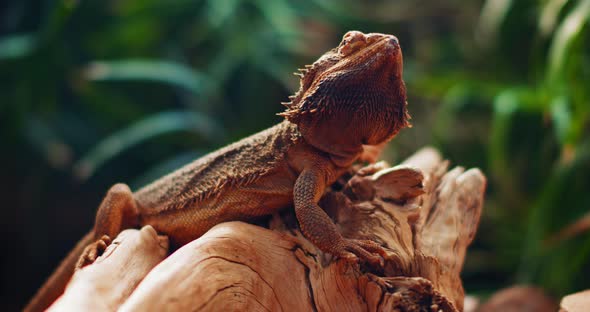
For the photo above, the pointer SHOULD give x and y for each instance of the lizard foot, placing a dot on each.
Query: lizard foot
(365, 250)
(93, 251)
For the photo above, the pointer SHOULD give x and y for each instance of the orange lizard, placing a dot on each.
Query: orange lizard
(352, 96)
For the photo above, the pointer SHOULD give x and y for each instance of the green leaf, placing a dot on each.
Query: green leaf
(546, 206)
(281, 17)
(562, 118)
(492, 17)
(549, 15)
(144, 130)
(569, 30)
(56, 21)
(16, 46)
(218, 12)
(175, 74)
(506, 104)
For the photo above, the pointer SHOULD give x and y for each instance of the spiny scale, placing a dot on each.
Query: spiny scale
(287, 104)
(301, 72)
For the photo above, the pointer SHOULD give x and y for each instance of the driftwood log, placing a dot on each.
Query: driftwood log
(424, 214)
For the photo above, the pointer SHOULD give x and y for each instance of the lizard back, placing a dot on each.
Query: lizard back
(230, 166)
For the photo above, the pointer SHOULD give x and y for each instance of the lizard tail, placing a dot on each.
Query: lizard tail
(56, 283)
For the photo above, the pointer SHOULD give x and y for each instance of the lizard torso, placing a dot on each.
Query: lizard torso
(187, 202)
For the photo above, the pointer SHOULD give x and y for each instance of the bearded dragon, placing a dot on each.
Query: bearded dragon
(352, 96)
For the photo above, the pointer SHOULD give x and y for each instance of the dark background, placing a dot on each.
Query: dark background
(98, 92)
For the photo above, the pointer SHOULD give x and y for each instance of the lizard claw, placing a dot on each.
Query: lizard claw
(366, 250)
(93, 251)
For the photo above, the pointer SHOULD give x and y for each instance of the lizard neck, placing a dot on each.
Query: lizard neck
(342, 150)
(341, 154)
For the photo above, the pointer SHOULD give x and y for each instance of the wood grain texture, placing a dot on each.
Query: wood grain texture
(106, 284)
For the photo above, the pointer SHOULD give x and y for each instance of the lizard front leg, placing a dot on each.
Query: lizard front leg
(319, 228)
(117, 211)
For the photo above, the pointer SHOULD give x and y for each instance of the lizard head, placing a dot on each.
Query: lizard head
(351, 96)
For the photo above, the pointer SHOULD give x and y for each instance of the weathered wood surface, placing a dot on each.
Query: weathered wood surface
(577, 302)
(108, 282)
(425, 215)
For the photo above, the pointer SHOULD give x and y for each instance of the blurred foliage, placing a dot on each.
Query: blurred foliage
(528, 74)
(95, 92)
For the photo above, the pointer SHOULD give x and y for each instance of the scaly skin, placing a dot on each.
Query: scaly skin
(352, 96)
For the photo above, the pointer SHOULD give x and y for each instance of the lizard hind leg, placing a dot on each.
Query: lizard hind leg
(117, 211)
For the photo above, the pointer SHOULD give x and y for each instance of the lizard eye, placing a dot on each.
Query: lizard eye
(352, 42)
